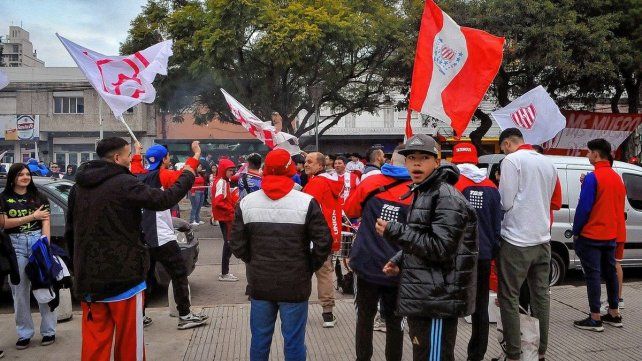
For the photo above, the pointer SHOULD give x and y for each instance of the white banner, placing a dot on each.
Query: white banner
(20, 127)
(122, 81)
(263, 131)
(535, 114)
(4, 79)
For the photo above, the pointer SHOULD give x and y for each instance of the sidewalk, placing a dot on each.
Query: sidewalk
(227, 336)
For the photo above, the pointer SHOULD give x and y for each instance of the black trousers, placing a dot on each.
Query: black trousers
(367, 298)
(169, 255)
(433, 339)
(479, 338)
(226, 228)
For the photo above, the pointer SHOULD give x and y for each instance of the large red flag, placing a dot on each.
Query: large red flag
(454, 66)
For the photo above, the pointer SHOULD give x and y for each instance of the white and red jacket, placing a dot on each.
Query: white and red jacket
(350, 182)
(224, 199)
(326, 189)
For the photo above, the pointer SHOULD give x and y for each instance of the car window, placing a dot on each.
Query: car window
(62, 189)
(633, 185)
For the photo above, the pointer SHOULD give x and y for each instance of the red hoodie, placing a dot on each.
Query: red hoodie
(326, 189)
(224, 200)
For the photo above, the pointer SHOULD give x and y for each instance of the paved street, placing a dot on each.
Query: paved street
(227, 336)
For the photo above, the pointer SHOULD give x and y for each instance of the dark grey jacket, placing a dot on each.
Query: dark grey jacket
(439, 250)
(283, 242)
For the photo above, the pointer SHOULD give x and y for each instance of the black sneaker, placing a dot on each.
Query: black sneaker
(48, 340)
(1, 354)
(589, 324)
(147, 321)
(329, 320)
(615, 321)
(23, 343)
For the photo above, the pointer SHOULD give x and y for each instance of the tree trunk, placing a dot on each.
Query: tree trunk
(615, 100)
(632, 87)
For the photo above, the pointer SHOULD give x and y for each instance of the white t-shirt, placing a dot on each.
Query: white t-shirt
(526, 187)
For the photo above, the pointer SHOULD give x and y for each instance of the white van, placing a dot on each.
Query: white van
(569, 171)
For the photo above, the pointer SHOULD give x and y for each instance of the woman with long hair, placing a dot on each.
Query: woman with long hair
(25, 217)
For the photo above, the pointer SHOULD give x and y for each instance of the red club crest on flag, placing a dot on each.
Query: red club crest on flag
(121, 77)
(524, 117)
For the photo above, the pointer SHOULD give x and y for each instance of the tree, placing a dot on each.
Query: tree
(1, 50)
(268, 53)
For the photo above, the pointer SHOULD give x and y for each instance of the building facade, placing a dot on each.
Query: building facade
(17, 50)
(69, 112)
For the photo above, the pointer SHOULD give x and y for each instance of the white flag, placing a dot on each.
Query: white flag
(4, 80)
(535, 114)
(263, 131)
(122, 81)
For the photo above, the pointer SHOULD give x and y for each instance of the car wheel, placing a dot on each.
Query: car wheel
(558, 269)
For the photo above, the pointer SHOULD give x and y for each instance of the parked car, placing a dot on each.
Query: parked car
(57, 191)
(570, 169)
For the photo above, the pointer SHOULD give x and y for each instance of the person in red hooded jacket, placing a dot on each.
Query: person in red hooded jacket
(326, 189)
(223, 204)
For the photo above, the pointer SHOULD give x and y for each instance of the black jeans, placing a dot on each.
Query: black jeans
(598, 260)
(433, 339)
(367, 298)
(169, 255)
(479, 338)
(226, 227)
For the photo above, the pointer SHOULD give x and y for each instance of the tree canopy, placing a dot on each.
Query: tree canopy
(268, 53)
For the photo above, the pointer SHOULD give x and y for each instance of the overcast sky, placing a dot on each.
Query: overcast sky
(99, 25)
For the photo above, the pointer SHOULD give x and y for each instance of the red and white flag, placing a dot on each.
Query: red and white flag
(122, 81)
(4, 79)
(535, 114)
(454, 66)
(263, 131)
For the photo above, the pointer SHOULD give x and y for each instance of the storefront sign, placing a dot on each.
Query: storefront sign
(20, 127)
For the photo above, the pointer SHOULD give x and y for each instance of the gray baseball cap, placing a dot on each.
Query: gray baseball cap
(421, 143)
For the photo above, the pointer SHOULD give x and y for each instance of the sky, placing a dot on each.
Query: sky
(100, 25)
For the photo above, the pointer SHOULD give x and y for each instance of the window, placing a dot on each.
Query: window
(69, 105)
(16, 48)
(633, 184)
(60, 188)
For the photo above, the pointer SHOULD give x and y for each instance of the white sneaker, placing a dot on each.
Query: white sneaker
(191, 320)
(195, 224)
(228, 278)
(201, 222)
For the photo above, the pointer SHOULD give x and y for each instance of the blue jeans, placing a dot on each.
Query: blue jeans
(598, 259)
(21, 292)
(196, 200)
(293, 319)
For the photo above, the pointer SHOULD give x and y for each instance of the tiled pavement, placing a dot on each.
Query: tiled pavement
(227, 337)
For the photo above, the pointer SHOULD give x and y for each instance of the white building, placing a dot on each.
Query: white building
(17, 50)
(68, 109)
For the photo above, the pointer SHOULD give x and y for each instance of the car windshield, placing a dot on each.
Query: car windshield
(60, 188)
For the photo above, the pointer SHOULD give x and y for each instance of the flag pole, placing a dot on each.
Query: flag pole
(128, 129)
(100, 117)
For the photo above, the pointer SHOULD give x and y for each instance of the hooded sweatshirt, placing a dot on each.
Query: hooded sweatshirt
(378, 196)
(224, 200)
(326, 189)
(482, 194)
(281, 235)
(103, 227)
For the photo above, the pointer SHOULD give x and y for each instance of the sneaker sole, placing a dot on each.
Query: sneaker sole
(191, 325)
(223, 280)
(614, 324)
(47, 343)
(590, 328)
(21, 347)
(329, 324)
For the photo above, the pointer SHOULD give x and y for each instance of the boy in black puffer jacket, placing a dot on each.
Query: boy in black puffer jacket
(439, 253)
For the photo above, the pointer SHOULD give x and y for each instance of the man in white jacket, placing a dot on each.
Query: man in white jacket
(526, 188)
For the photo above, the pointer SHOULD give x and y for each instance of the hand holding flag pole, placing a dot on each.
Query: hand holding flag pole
(122, 81)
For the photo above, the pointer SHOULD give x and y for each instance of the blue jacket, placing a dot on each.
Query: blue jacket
(370, 252)
(483, 195)
(37, 169)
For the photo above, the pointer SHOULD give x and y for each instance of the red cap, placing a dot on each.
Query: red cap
(279, 162)
(464, 153)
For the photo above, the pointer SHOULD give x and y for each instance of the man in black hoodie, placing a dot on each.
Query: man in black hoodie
(439, 253)
(110, 259)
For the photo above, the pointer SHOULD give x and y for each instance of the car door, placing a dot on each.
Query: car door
(561, 218)
(633, 211)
